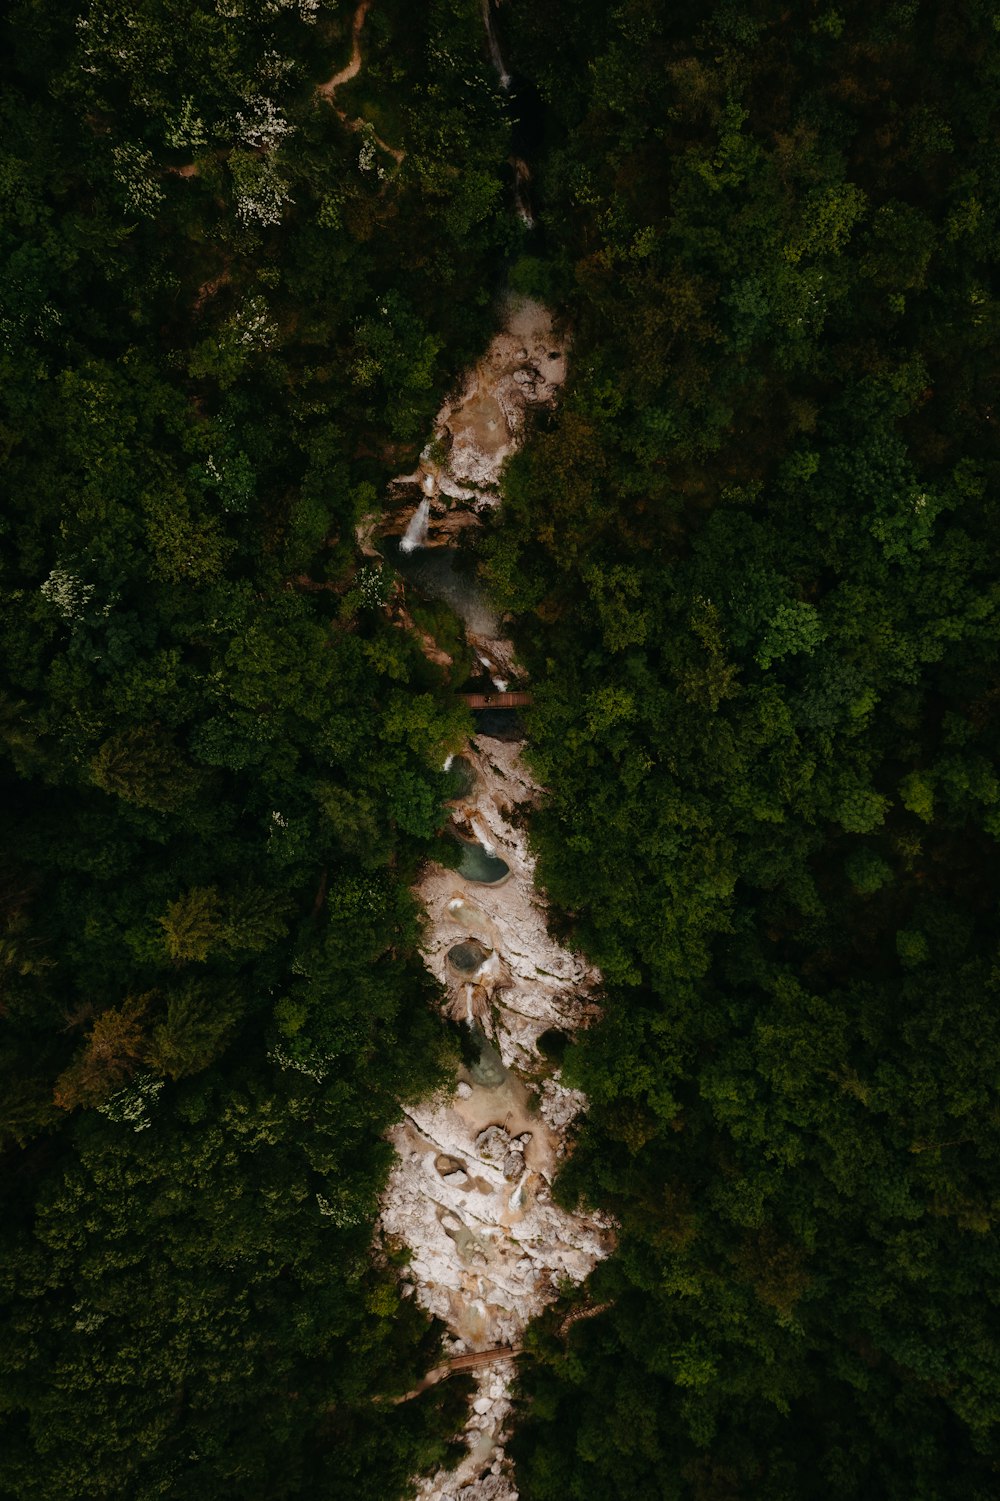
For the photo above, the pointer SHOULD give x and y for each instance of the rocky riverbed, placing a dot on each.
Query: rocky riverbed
(470, 1194)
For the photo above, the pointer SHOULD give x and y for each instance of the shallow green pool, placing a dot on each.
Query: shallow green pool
(467, 957)
(479, 866)
(486, 1067)
(445, 573)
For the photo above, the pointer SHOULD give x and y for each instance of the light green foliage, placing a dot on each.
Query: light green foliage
(916, 792)
(828, 217)
(794, 628)
(193, 924)
(866, 871)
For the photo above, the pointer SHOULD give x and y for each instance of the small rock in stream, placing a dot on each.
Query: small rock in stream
(489, 1488)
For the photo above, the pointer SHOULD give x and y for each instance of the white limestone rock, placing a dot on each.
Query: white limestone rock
(470, 1193)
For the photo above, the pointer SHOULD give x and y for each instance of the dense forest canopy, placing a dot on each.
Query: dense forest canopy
(755, 562)
(752, 568)
(225, 314)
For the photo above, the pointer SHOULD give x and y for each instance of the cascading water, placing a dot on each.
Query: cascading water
(522, 197)
(416, 533)
(496, 57)
(483, 836)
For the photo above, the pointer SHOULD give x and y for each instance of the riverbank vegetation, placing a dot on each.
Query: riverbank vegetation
(754, 563)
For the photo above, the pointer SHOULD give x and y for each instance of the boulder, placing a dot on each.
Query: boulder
(493, 1144)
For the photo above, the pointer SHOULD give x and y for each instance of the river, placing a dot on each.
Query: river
(470, 1194)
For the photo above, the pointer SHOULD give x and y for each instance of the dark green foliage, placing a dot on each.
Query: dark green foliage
(755, 562)
(225, 323)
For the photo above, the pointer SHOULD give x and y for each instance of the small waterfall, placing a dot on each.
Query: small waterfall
(522, 197)
(496, 57)
(416, 533)
(482, 834)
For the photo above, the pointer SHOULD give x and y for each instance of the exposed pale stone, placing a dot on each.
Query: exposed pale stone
(493, 1144)
(470, 1192)
(513, 1166)
(480, 427)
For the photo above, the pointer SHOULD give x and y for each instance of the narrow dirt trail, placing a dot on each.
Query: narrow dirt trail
(327, 90)
(353, 68)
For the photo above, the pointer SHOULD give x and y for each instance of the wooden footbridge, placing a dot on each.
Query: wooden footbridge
(496, 700)
(461, 1363)
(473, 1358)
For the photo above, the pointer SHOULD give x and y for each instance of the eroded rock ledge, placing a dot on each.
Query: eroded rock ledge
(477, 430)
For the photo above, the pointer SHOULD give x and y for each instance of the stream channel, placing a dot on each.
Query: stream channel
(470, 1193)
